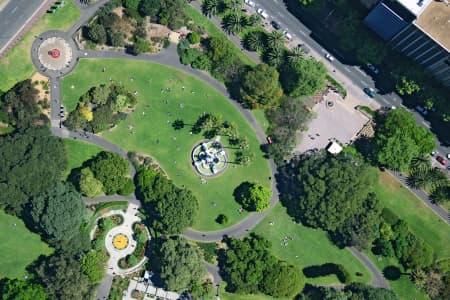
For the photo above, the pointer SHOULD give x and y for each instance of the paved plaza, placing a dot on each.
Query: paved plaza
(336, 119)
(55, 53)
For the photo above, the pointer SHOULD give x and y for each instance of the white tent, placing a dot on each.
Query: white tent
(334, 148)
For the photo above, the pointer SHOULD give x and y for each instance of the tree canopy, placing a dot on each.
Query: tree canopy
(283, 280)
(93, 265)
(15, 289)
(58, 212)
(181, 264)
(253, 196)
(172, 209)
(260, 87)
(32, 161)
(398, 139)
(305, 77)
(110, 169)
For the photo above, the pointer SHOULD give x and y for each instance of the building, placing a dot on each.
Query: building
(420, 29)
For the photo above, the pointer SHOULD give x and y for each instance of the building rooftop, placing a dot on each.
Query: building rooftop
(415, 6)
(435, 20)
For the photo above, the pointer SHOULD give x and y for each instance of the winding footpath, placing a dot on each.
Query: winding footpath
(168, 57)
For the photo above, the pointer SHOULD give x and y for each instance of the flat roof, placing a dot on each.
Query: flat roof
(415, 6)
(435, 21)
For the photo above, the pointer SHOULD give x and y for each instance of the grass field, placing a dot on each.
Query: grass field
(16, 65)
(312, 247)
(153, 132)
(20, 247)
(77, 153)
(260, 117)
(402, 287)
(421, 220)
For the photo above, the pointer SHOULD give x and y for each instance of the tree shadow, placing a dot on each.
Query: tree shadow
(392, 273)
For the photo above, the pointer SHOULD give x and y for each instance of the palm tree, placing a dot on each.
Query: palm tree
(438, 178)
(178, 124)
(235, 4)
(274, 56)
(419, 180)
(420, 164)
(232, 23)
(211, 7)
(296, 55)
(276, 39)
(254, 41)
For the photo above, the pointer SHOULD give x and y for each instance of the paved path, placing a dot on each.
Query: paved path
(378, 279)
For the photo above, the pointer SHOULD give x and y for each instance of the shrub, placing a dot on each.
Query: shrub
(222, 219)
(127, 187)
(193, 38)
(132, 260)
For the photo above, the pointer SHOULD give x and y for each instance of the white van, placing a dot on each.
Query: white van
(262, 13)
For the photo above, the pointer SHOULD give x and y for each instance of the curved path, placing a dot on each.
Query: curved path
(168, 57)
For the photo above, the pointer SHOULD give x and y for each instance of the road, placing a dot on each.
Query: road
(352, 77)
(378, 279)
(15, 17)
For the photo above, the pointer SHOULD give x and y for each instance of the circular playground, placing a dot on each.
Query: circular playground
(209, 158)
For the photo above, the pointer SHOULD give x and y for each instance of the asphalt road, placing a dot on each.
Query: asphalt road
(14, 17)
(352, 77)
(378, 279)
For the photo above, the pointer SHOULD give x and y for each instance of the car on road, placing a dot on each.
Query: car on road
(441, 160)
(422, 110)
(262, 13)
(275, 25)
(370, 92)
(287, 34)
(373, 69)
(329, 57)
(250, 3)
(448, 155)
(434, 153)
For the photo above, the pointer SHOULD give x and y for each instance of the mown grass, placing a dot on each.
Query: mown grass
(16, 65)
(152, 130)
(78, 152)
(20, 247)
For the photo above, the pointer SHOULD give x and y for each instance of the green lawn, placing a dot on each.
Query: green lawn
(421, 220)
(20, 247)
(212, 30)
(260, 117)
(153, 133)
(77, 153)
(312, 247)
(402, 287)
(16, 65)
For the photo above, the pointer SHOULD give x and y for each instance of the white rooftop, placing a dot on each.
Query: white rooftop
(334, 148)
(415, 6)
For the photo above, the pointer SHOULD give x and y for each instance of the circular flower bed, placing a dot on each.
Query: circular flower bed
(120, 241)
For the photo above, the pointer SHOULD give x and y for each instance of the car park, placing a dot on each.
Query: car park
(441, 160)
(275, 25)
(262, 13)
(373, 69)
(370, 92)
(329, 57)
(250, 3)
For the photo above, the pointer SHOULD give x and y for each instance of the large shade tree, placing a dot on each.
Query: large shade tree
(14, 289)
(110, 169)
(305, 77)
(58, 212)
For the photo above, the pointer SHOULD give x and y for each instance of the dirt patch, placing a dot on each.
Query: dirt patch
(41, 83)
(118, 11)
(389, 181)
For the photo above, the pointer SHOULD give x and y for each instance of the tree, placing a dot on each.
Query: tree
(58, 212)
(126, 187)
(222, 219)
(421, 164)
(172, 13)
(32, 161)
(110, 168)
(178, 124)
(89, 186)
(86, 112)
(245, 262)
(99, 94)
(63, 278)
(373, 51)
(93, 265)
(296, 55)
(172, 209)
(260, 87)
(233, 23)
(441, 194)
(276, 39)
(399, 139)
(193, 38)
(407, 86)
(15, 289)
(180, 264)
(149, 8)
(253, 196)
(140, 46)
(283, 280)
(97, 33)
(325, 191)
(115, 39)
(306, 77)
(255, 40)
(274, 56)
(211, 7)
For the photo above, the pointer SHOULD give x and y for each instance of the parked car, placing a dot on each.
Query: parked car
(422, 110)
(275, 25)
(370, 92)
(434, 153)
(262, 13)
(441, 160)
(250, 3)
(329, 57)
(287, 34)
(373, 69)
(448, 155)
